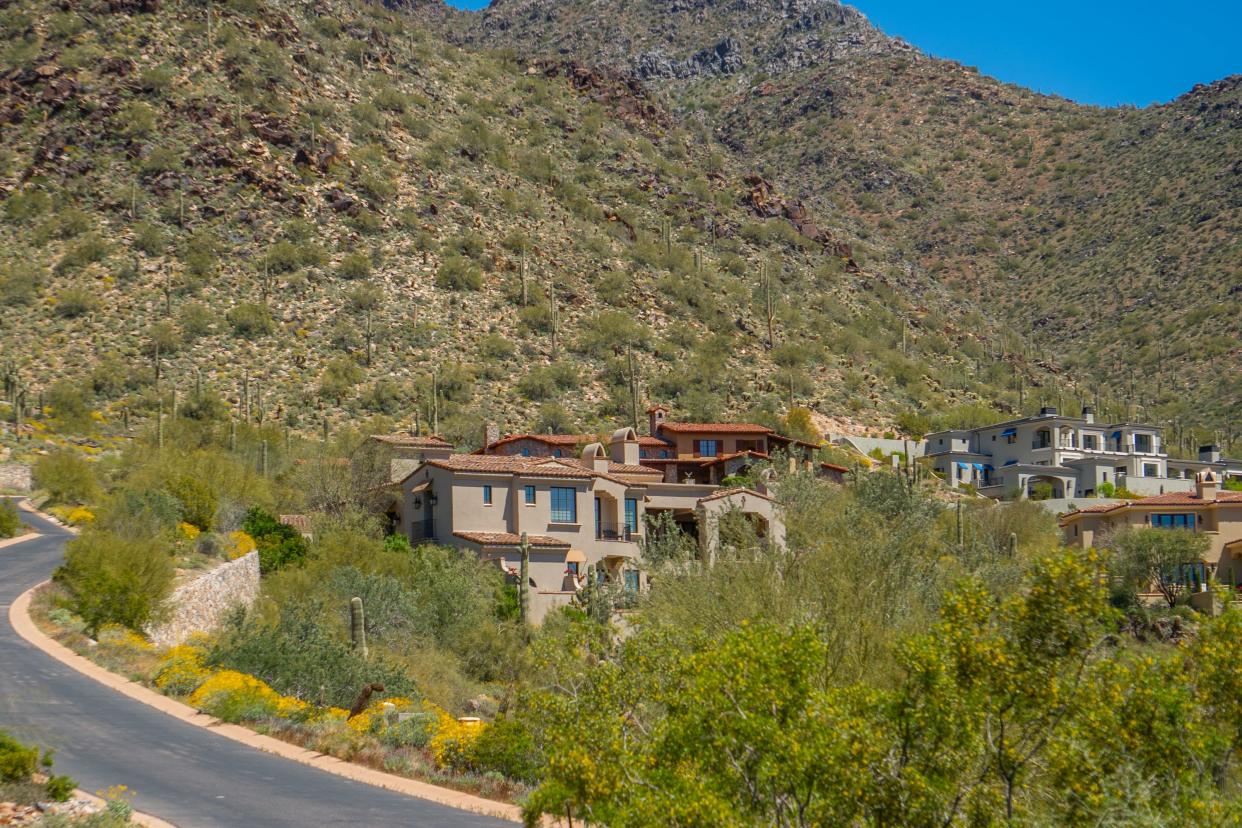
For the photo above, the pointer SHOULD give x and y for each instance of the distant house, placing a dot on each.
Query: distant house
(1206, 510)
(583, 516)
(1071, 456)
(706, 453)
(409, 451)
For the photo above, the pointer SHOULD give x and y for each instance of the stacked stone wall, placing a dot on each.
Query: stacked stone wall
(203, 604)
(15, 477)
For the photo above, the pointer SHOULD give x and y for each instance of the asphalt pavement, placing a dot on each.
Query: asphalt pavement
(184, 774)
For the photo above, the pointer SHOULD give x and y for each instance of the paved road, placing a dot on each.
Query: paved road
(184, 774)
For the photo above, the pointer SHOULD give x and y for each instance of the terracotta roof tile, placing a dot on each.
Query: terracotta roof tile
(572, 440)
(509, 539)
(509, 464)
(1166, 499)
(409, 440)
(298, 522)
(734, 491)
(707, 428)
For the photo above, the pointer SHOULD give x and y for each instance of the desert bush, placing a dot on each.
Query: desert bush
(66, 476)
(75, 301)
(251, 320)
(339, 377)
(278, 544)
(195, 320)
(301, 654)
(10, 523)
(114, 580)
(356, 265)
(20, 283)
(459, 273)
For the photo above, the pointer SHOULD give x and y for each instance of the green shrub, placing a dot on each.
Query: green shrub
(301, 654)
(10, 523)
(355, 266)
(20, 283)
(197, 501)
(508, 747)
(76, 301)
(89, 249)
(66, 476)
(17, 762)
(115, 580)
(278, 544)
(251, 320)
(459, 273)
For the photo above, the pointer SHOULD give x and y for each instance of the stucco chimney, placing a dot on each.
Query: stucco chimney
(491, 434)
(655, 418)
(595, 456)
(623, 447)
(1088, 413)
(1209, 454)
(1206, 485)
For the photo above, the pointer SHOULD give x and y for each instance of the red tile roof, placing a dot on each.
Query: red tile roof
(734, 491)
(1187, 499)
(409, 440)
(509, 464)
(571, 440)
(707, 428)
(834, 467)
(509, 539)
(299, 522)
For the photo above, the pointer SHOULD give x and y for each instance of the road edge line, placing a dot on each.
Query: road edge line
(24, 626)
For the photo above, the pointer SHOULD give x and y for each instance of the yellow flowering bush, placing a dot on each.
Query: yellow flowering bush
(239, 544)
(80, 516)
(188, 531)
(235, 697)
(453, 738)
(181, 670)
(373, 717)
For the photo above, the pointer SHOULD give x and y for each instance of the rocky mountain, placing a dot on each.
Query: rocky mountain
(308, 210)
(1107, 239)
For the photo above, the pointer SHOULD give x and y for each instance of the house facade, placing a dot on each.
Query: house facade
(583, 516)
(1071, 456)
(1207, 510)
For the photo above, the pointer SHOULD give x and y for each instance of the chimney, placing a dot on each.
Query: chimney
(623, 447)
(1088, 413)
(1048, 411)
(595, 458)
(1205, 485)
(491, 435)
(655, 419)
(1209, 454)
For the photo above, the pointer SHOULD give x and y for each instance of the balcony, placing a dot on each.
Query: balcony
(615, 532)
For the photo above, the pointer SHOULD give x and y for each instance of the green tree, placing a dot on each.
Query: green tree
(115, 580)
(66, 476)
(1146, 557)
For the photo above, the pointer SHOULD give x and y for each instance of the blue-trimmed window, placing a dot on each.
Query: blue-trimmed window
(564, 504)
(487, 495)
(631, 580)
(1173, 521)
(526, 451)
(631, 514)
(708, 448)
(530, 495)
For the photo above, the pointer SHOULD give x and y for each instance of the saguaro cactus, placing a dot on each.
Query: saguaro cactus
(1013, 544)
(961, 534)
(358, 626)
(524, 581)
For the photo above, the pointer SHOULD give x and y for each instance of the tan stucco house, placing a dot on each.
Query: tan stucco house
(1207, 510)
(583, 516)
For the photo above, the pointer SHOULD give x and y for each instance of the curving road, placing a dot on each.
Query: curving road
(184, 774)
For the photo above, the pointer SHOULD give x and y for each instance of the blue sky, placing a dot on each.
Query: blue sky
(1094, 51)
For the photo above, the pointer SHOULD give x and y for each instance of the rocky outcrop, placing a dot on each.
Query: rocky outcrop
(204, 603)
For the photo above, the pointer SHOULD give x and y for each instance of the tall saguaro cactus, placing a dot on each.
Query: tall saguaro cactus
(524, 581)
(358, 626)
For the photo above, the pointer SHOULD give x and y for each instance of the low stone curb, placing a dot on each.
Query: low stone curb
(19, 618)
(18, 539)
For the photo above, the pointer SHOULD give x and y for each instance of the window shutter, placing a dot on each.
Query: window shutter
(696, 447)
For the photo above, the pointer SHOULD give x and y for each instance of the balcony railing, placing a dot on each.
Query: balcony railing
(614, 532)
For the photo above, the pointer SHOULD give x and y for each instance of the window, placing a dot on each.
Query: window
(663, 454)
(1173, 521)
(557, 453)
(530, 495)
(564, 505)
(487, 495)
(631, 514)
(526, 452)
(1089, 442)
(706, 448)
(1151, 470)
(572, 566)
(631, 580)
(1142, 443)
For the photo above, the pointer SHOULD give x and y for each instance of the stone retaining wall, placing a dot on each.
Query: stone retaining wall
(15, 477)
(204, 603)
